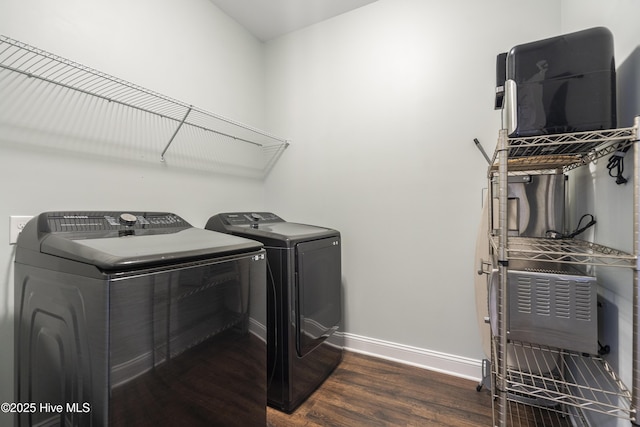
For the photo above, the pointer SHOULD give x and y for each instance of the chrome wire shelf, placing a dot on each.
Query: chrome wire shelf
(555, 380)
(574, 143)
(565, 251)
(537, 385)
(30, 74)
(563, 152)
(522, 415)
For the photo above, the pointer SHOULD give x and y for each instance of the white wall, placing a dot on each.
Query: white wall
(594, 191)
(188, 50)
(383, 104)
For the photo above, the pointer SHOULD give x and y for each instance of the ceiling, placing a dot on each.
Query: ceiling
(268, 19)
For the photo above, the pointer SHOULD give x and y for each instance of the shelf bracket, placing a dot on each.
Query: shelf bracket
(176, 132)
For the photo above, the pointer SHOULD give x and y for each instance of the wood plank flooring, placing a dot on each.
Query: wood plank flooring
(368, 391)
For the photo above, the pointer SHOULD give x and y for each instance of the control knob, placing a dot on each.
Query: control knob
(128, 219)
(255, 218)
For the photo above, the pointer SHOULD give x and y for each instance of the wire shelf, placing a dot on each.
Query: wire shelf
(565, 382)
(565, 251)
(563, 152)
(32, 76)
(566, 144)
(522, 415)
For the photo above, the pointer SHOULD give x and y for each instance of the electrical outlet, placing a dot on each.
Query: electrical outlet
(16, 224)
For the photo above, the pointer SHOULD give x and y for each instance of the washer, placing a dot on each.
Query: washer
(304, 315)
(138, 319)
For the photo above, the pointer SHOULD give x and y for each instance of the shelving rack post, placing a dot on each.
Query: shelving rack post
(501, 344)
(635, 380)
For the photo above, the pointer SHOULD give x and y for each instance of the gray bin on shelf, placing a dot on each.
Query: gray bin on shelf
(551, 308)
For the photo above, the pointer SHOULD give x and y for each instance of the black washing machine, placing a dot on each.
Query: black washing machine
(304, 315)
(138, 319)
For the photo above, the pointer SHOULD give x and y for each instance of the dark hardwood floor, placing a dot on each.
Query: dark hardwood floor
(368, 391)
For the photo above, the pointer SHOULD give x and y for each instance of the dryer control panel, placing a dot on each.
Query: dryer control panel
(248, 218)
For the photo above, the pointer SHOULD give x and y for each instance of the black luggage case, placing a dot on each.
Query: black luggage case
(563, 84)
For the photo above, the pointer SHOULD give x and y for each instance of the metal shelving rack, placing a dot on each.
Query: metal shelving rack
(579, 382)
(38, 76)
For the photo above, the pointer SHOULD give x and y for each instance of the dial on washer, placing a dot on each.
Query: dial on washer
(127, 219)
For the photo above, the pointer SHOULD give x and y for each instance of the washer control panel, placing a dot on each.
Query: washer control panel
(57, 222)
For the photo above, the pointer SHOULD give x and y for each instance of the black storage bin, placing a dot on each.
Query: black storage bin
(563, 84)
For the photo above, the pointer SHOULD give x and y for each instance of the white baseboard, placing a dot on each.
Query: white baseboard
(458, 366)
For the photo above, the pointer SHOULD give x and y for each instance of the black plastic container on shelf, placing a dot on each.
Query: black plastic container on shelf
(562, 84)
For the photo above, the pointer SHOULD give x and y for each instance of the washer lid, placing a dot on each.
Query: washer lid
(139, 239)
(110, 253)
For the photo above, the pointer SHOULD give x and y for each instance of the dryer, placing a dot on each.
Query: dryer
(304, 315)
(138, 319)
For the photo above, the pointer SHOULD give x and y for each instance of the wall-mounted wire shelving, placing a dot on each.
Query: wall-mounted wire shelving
(72, 106)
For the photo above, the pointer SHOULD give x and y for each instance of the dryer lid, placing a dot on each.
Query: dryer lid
(267, 227)
(291, 230)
